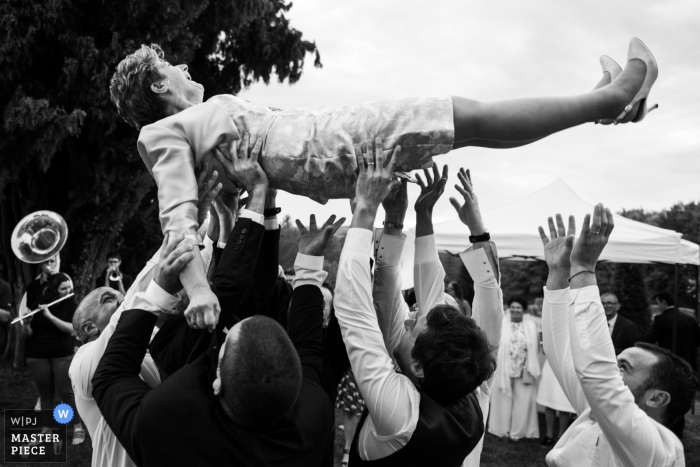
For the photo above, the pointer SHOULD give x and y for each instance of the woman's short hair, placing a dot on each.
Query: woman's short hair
(130, 87)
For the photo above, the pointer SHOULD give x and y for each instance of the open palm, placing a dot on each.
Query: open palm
(558, 246)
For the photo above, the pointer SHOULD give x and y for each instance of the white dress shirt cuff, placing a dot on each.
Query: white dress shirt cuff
(155, 300)
(272, 224)
(358, 242)
(252, 215)
(426, 250)
(161, 298)
(389, 250)
(556, 296)
(308, 270)
(477, 264)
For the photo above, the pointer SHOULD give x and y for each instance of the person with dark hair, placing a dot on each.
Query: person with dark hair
(625, 404)
(113, 277)
(624, 332)
(455, 290)
(50, 347)
(687, 336)
(513, 403)
(428, 414)
(687, 329)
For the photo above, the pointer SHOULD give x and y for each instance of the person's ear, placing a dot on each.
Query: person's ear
(90, 329)
(160, 88)
(417, 369)
(217, 382)
(656, 398)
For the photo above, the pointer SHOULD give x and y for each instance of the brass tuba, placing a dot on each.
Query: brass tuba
(39, 236)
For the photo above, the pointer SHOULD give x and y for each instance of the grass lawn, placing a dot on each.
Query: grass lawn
(17, 392)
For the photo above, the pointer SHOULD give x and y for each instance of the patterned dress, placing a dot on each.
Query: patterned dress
(307, 152)
(349, 397)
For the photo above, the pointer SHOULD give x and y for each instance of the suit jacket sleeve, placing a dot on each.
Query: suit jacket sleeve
(116, 386)
(235, 272)
(306, 330)
(256, 298)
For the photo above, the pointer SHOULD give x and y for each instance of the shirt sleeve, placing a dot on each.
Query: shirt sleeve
(390, 306)
(557, 346)
(428, 275)
(487, 307)
(252, 215)
(308, 270)
(391, 398)
(632, 434)
(171, 148)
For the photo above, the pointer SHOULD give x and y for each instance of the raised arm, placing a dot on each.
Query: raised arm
(306, 315)
(116, 386)
(481, 261)
(632, 434)
(388, 395)
(555, 310)
(428, 273)
(390, 306)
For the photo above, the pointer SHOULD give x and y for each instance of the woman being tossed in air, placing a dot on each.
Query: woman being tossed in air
(309, 152)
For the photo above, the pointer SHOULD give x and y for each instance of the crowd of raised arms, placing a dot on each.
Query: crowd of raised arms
(216, 356)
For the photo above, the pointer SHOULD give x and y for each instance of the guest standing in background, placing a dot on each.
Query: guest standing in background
(623, 331)
(551, 396)
(50, 348)
(513, 407)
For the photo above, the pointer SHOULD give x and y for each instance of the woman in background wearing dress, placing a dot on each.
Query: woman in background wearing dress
(513, 409)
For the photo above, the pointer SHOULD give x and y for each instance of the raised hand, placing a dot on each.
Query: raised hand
(208, 189)
(558, 246)
(431, 189)
(374, 181)
(469, 212)
(243, 169)
(594, 236)
(396, 203)
(173, 257)
(314, 241)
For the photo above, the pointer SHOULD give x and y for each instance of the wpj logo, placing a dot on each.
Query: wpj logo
(37, 436)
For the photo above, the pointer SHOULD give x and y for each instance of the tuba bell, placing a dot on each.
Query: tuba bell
(39, 236)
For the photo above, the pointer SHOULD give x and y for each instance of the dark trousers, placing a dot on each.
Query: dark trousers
(51, 376)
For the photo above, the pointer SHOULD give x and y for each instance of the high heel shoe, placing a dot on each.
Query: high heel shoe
(613, 69)
(639, 51)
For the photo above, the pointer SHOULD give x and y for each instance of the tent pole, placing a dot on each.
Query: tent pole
(675, 314)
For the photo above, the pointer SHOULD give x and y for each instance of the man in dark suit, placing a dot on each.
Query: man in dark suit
(254, 396)
(687, 329)
(623, 331)
(687, 336)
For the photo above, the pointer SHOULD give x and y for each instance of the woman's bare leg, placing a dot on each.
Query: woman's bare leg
(484, 143)
(522, 121)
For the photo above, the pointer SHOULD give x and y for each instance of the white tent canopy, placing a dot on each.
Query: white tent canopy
(513, 228)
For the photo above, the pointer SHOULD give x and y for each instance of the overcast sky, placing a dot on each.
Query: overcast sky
(379, 49)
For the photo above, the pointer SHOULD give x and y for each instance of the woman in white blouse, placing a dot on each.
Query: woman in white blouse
(513, 408)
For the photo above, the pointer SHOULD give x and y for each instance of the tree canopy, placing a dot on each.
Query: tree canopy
(62, 145)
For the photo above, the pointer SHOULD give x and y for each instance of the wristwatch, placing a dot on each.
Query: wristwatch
(484, 237)
(271, 212)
